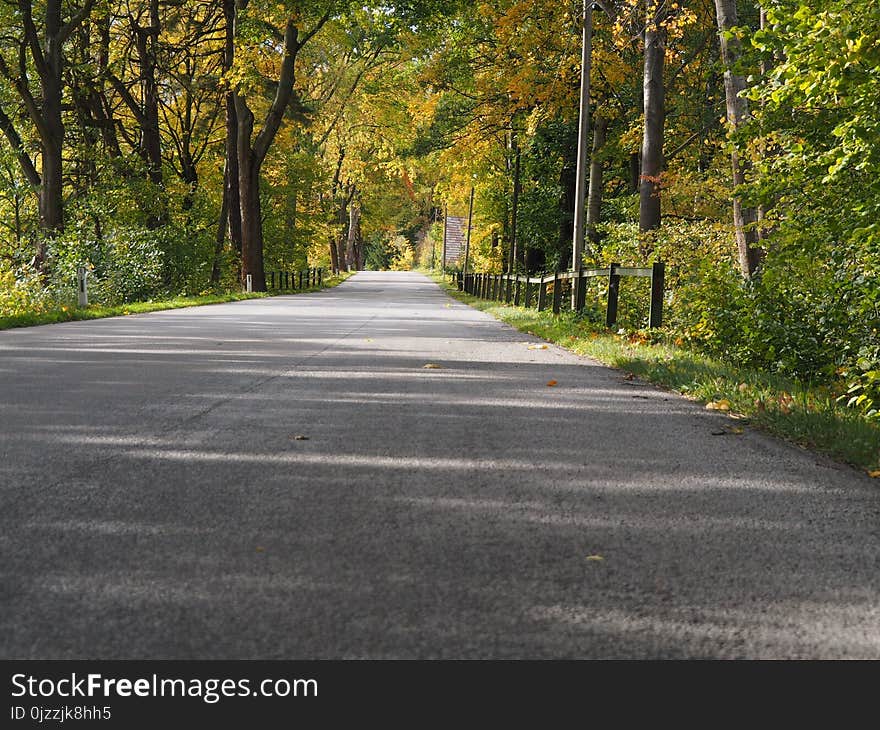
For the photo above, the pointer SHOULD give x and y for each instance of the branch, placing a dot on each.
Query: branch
(693, 55)
(27, 166)
(77, 18)
(357, 79)
(21, 86)
(33, 38)
(320, 24)
(282, 93)
(129, 100)
(696, 135)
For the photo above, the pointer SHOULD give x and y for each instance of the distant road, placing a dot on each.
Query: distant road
(284, 478)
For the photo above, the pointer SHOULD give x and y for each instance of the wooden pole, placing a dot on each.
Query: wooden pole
(467, 243)
(514, 253)
(445, 216)
(577, 248)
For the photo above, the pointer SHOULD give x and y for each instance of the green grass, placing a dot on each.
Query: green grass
(96, 311)
(802, 413)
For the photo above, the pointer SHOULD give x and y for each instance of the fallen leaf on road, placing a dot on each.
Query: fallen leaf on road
(432, 366)
(261, 549)
(874, 474)
(595, 558)
(300, 437)
(537, 347)
(718, 405)
(551, 383)
(369, 339)
(737, 431)
(718, 433)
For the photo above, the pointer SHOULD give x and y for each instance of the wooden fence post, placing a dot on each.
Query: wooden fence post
(542, 295)
(658, 278)
(557, 292)
(613, 293)
(580, 284)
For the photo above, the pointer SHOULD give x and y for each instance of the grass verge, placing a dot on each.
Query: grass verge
(802, 413)
(96, 311)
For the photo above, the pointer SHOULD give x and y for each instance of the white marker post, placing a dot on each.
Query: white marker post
(82, 287)
(249, 286)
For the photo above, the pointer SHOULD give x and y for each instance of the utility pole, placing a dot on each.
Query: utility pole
(445, 215)
(577, 248)
(514, 253)
(467, 243)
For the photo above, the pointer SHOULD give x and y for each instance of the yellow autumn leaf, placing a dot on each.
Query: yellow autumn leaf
(537, 347)
(874, 474)
(595, 558)
(432, 366)
(718, 405)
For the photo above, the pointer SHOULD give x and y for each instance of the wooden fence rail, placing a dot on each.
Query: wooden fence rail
(519, 290)
(294, 280)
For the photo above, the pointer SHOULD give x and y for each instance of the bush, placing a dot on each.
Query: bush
(125, 265)
(21, 291)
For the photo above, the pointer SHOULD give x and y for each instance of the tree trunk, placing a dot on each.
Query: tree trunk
(654, 106)
(150, 147)
(340, 252)
(594, 195)
(744, 218)
(568, 185)
(249, 201)
(251, 225)
(334, 257)
(354, 216)
(635, 170)
(51, 149)
(151, 142)
(231, 179)
(220, 237)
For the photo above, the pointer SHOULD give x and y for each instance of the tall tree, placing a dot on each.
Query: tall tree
(655, 115)
(253, 146)
(744, 217)
(230, 210)
(44, 45)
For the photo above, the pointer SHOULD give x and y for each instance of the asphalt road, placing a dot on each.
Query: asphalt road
(156, 503)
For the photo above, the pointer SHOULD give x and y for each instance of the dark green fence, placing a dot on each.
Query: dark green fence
(531, 291)
(294, 280)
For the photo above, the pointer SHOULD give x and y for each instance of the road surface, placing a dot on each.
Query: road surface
(284, 478)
